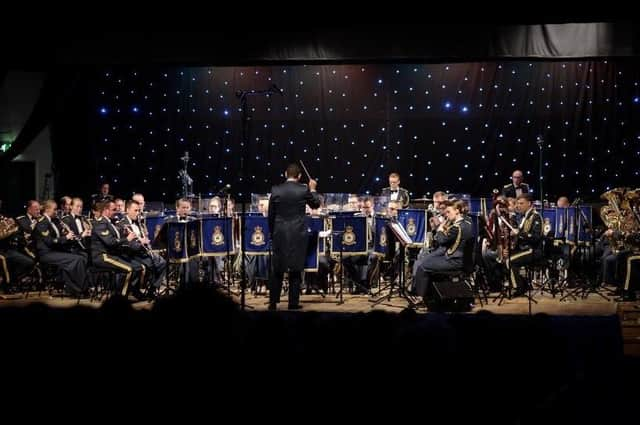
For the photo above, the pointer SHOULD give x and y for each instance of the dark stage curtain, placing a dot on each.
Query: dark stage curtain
(461, 127)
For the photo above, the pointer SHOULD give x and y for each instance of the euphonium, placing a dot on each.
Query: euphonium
(8, 227)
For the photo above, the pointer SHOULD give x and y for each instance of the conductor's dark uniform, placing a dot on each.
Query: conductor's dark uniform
(289, 236)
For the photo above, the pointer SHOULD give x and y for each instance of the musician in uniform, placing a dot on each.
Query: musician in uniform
(528, 241)
(563, 202)
(65, 206)
(395, 192)
(138, 250)
(14, 264)
(54, 248)
(190, 270)
(27, 223)
(139, 198)
(451, 236)
(102, 196)
(108, 245)
(289, 234)
(119, 213)
(517, 187)
(79, 225)
(360, 267)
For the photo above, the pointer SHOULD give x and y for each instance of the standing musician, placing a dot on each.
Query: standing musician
(451, 236)
(288, 233)
(108, 246)
(395, 192)
(527, 241)
(53, 246)
(138, 251)
(517, 187)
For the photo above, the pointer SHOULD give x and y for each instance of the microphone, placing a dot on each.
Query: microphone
(225, 188)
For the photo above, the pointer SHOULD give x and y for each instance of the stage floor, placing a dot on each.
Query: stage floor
(593, 305)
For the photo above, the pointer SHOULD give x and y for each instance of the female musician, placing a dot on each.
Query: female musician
(451, 236)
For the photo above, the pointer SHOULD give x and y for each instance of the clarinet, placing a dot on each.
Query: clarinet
(145, 247)
(68, 230)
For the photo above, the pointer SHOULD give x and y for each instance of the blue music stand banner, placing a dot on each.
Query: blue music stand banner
(154, 227)
(549, 222)
(315, 225)
(312, 259)
(350, 234)
(572, 224)
(585, 221)
(414, 222)
(177, 251)
(257, 238)
(561, 223)
(217, 237)
(194, 232)
(381, 243)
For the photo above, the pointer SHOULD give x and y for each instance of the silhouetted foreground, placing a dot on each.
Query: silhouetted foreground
(502, 367)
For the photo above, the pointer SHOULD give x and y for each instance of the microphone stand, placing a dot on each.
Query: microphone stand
(246, 140)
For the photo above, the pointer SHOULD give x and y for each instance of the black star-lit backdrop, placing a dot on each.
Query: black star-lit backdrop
(460, 127)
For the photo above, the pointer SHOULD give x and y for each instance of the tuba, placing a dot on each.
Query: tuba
(8, 227)
(621, 216)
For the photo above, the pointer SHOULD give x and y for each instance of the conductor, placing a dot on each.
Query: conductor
(288, 233)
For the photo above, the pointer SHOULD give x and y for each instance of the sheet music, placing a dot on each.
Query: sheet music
(400, 232)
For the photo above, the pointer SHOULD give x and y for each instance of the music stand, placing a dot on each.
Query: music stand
(401, 236)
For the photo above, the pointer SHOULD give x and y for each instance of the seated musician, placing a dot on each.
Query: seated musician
(360, 267)
(528, 242)
(79, 225)
(14, 263)
(27, 223)
(492, 249)
(563, 202)
(108, 250)
(119, 213)
(319, 281)
(215, 206)
(138, 251)
(139, 198)
(65, 206)
(257, 266)
(451, 236)
(53, 246)
(215, 265)
(560, 250)
(437, 210)
(189, 271)
(103, 195)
